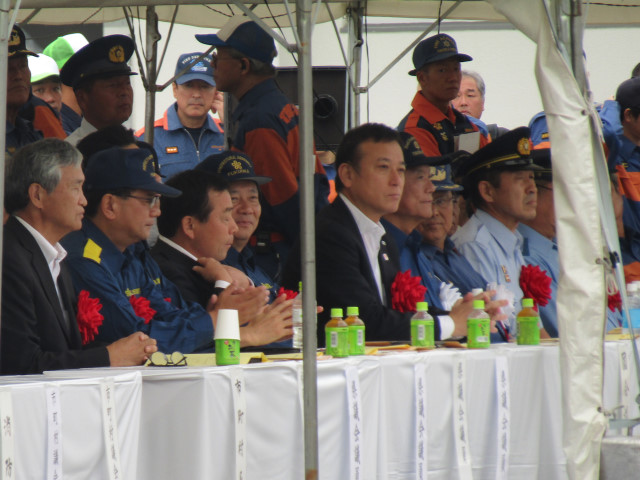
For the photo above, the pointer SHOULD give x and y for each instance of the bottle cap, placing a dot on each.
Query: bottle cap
(336, 312)
(527, 302)
(300, 286)
(422, 307)
(352, 312)
(476, 291)
(478, 304)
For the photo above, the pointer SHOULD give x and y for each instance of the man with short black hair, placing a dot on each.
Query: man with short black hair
(244, 188)
(99, 75)
(433, 121)
(39, 328)
(187, 133)
(266, 126)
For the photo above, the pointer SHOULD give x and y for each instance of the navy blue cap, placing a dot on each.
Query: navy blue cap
(234, 166)
(132, 168)
(542, 158)
(103, 58)
(414, 156)
(442, 179)
(200, 70)
(511, 151)
(436, 48)
(245, 36)
(18, 43)
(628, 93)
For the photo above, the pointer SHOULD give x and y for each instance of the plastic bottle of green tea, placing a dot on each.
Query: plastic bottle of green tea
(356, 331)
(422, 327)
(528, 322)
(478, 327)
(336, 334)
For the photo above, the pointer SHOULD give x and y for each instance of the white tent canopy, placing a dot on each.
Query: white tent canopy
(215, 13)
(574, 135)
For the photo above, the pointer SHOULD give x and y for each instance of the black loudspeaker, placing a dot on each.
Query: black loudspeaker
(330, 90)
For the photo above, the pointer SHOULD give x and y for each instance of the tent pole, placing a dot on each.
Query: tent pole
(355, 42)
(153, 36)
(307, 237)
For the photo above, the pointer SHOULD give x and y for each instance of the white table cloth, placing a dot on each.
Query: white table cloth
(190, 429)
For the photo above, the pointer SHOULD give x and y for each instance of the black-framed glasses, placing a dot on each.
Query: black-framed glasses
(215, 59)
(175, 359)
(151, 201)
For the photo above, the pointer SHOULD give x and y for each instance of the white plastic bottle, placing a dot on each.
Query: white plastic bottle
(296, 316)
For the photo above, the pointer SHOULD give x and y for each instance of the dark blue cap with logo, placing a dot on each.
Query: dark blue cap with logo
(511, 151)
(234, 166)
(18, 44)
(442, 179)
(103, 58)
(436, 48)
(197, 70)
(117, 168)
(414, 156)
(245, 36)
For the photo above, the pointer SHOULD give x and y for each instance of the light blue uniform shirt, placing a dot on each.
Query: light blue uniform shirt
(494, 251)
(539, 250)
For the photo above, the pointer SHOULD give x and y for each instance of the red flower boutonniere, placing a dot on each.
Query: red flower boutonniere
(614, 301)
(89, 317)
(535, 284)
(406, 291)
(289, 293)
(142, 308)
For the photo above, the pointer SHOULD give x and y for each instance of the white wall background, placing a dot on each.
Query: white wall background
(503, 56)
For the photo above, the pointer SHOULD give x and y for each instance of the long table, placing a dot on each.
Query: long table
(444, 414)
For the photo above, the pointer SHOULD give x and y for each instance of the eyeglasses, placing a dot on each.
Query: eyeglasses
(159, 359)
(151, 201)
(443, 202)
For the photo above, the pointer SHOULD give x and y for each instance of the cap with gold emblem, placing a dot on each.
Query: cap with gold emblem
(511, 151)
(434, 49)
(234, 166)
(117, 168)
(18, 43)
(103, 58)
(442, 180)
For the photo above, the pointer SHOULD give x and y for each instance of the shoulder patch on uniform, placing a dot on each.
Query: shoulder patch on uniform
(171, 149)
(92, 251)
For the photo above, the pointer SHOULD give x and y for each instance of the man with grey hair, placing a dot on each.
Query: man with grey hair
(39, 310)
(470, 101)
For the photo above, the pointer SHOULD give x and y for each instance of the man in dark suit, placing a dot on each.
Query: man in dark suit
(196, 232)
(39, 328)
(356, 260)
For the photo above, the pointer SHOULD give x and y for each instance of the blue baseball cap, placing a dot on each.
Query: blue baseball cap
(434, 49)
(245, 36)
(234, 166)
(200, 70)
(133, 168)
